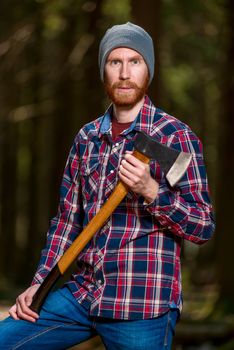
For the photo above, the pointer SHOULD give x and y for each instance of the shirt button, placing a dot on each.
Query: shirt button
(111, 171)
(169, 227)
(117, 144)
(100, 281)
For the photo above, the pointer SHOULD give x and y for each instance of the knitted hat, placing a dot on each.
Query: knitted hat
(131, 36)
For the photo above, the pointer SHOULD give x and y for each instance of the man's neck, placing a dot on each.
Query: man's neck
(127, 114)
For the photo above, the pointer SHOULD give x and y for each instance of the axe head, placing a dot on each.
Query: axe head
(173, 163)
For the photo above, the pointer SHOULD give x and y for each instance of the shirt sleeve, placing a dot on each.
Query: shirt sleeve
(186, 209)
(67, 224)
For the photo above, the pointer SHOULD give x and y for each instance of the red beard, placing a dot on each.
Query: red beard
(126, 99)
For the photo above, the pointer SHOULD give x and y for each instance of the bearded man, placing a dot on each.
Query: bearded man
(127, 287)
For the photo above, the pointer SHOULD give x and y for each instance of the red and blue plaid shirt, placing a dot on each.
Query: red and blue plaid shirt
(131, 267)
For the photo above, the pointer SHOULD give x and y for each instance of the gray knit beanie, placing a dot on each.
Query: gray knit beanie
(131, 36)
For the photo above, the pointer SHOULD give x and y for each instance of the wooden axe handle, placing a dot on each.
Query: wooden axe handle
(80, 242)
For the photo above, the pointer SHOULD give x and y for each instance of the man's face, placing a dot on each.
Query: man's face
(126, 77)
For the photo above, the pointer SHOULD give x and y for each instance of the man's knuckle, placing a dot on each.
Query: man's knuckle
(28, 298)
(136, 182)
(19, 313)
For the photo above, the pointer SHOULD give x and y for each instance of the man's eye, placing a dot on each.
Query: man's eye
(115, 62)
(134, 62)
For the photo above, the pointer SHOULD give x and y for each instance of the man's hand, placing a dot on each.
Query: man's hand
(21, 310)
(136, 175)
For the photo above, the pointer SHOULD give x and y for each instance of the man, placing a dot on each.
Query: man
(127, 287)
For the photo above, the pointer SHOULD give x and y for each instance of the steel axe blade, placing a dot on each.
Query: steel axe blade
(173, 163)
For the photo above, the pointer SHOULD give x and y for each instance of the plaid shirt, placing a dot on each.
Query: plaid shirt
(131, 267)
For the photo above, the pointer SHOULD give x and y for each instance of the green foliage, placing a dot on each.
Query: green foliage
(179, 80)
(191, 52)
(228, 346)
(117, 11)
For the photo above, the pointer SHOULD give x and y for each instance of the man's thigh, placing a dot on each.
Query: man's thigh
(62, 324)
(155, 334)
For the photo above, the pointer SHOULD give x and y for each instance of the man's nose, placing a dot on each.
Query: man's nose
(124, 71)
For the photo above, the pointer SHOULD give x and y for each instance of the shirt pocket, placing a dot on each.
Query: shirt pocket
(90, 177)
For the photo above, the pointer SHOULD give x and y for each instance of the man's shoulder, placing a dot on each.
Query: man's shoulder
(173, 132)
(166, 124)
(158, 122)
(89, 129)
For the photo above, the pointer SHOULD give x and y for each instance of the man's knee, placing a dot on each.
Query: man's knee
(7, 333)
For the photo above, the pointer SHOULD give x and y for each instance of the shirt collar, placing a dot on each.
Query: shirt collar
(142, 122)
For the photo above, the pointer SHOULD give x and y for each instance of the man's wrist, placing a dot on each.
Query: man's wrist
(152, 191)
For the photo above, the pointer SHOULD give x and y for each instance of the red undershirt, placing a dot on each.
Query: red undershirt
(118, 127)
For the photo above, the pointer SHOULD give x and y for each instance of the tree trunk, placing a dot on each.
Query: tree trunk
(149, 17)
(225, 188)
(77, 97)
(8, 198)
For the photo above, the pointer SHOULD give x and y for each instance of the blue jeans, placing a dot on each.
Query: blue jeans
(64, 323)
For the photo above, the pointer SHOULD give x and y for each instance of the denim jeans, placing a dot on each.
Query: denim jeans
(63, 323)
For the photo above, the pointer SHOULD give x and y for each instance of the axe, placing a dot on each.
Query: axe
(172, 162)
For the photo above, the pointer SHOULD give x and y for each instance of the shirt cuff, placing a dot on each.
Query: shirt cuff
(163, 206)
(40, 276)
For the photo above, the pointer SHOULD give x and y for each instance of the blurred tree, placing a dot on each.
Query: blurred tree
(225, 167)
(11, 58)
(149, 16)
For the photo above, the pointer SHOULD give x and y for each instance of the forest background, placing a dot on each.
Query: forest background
(50, 87)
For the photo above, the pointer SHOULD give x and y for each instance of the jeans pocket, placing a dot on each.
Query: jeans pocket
(172, 316)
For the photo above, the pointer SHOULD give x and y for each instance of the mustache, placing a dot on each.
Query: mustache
(126, 84)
